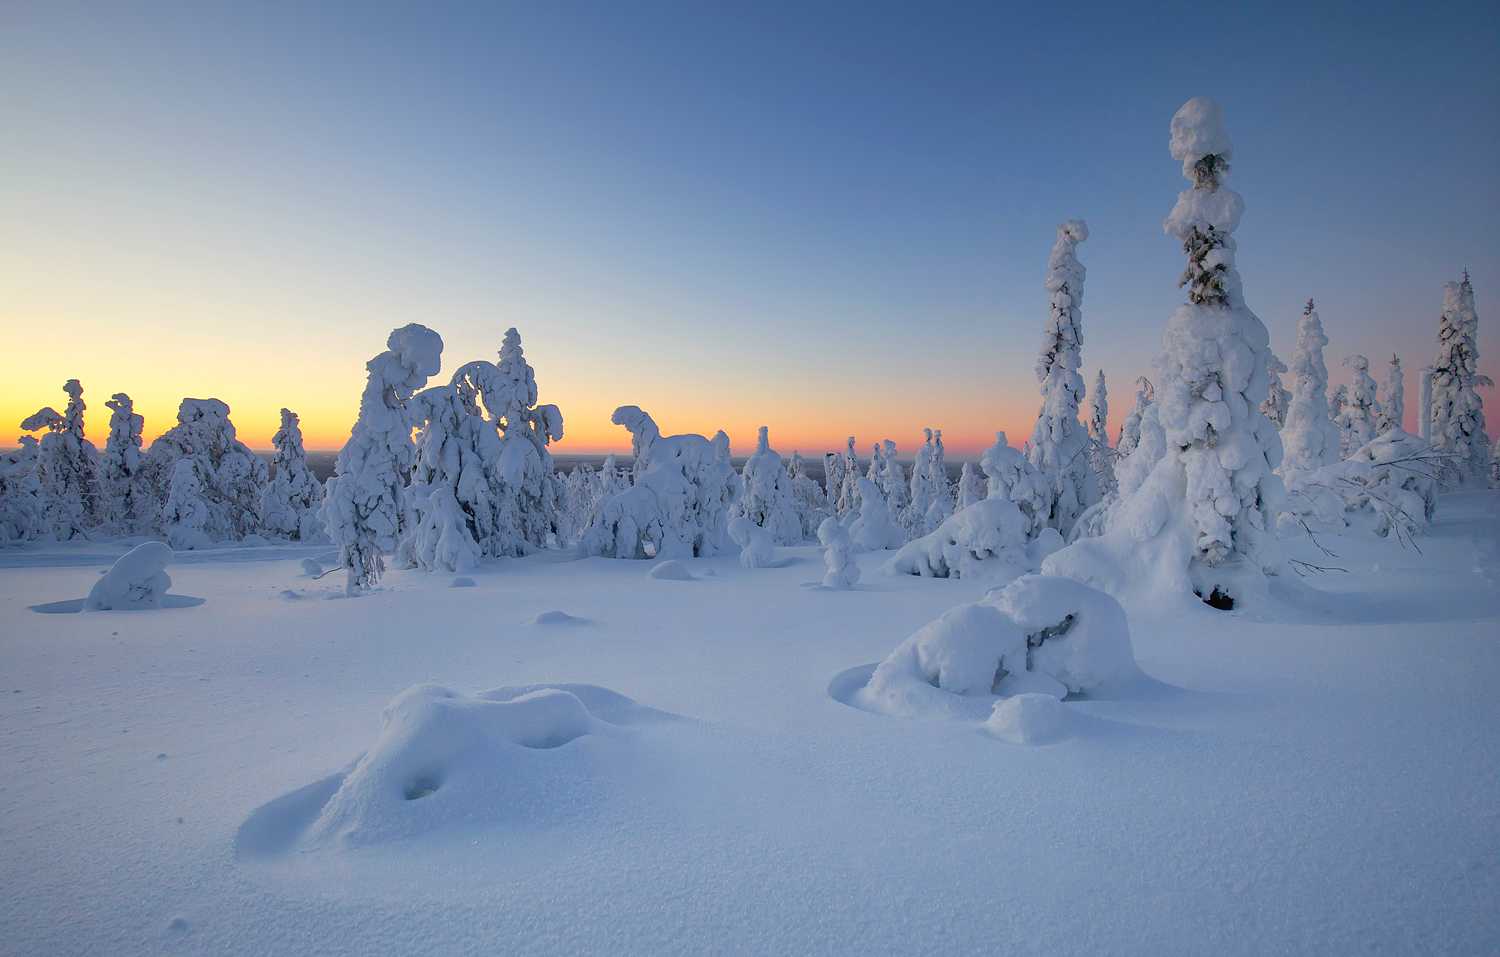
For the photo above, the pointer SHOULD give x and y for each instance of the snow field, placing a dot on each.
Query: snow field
(1317, 775)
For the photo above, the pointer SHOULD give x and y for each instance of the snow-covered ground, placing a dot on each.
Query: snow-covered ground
(1318, 776)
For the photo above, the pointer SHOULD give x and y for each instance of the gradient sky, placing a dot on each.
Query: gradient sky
(827, 218)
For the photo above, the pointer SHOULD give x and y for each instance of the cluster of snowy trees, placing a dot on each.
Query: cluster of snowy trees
(1216, 457)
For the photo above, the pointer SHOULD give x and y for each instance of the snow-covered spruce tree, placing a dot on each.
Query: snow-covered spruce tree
(913, 517)
(833, 478)
(289, 503)
(767, 500)
(455, 509)
(231, 477)
(1392, 399)
(1357, 422)
(843, 570)
(1424, 403)
(848, 496)
(682, 489)
(23, 511)
(942, 489)
(185, 513)
(892, 480)
(1059, 446)
(808, 498)
(1457, 411)
(872, 528)
(1210, 502)
(1101, 459)
(1014, 478)
(970, 489)
(1309, 437)
(1275, 404)
(1130, 429)
(365, 508)
(128, 500)
(69, 467)
(1338, 399)
(532, 497)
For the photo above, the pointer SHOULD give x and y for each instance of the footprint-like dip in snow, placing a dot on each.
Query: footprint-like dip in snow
(537, 754)
(991, 663)
(136, 581)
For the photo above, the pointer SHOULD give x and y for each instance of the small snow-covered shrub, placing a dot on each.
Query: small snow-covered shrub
(1386, 485)
(872, 529)
(186, 514)
(1040, 634)
(1011, 476)
(843, 570)
(136, 580)
(767, 499)
(987, 536)
(757, 549)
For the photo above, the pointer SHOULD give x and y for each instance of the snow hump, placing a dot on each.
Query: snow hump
(1198, 131)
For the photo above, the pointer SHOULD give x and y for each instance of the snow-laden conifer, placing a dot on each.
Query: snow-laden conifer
(1338, 400)
(129, 505)
(843, 570)
(23, 509)
(68, 465)
(1309, 437)
(1424, 403)
(186, 514)
(833, 479)
(1059, 446)
(914, 518)
(848, 496)
(767, 499)
(873, 528)
(1392, 399)
(892, 480)
(289, 504)
(970, 488)
(808, 498)
(1357, 422)
(1011, 476)
(678, 504)
(1275, 404)
(231, 477)
(1457, 410)
(1130, 429)
(454, 506)
(366, 505)
(1101, 459)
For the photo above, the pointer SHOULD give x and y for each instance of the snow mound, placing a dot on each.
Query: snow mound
(671, 570)
(461, 582)
(288, 595)
(556, 618)
(311, 568)
(986, 537)
(1029, 719)
(137, 580)
(757, 546)
(538, 753)
(1038, 635)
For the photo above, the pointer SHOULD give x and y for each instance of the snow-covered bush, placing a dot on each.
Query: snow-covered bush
(1357, 422)
(872, 528)
(1101, 459)
(23, 510)
(1014, 478)
(682, 489)
(843, 570)
(127, 499)
(1059, 446)
(289, 504)
(1385, 485)
(767, 499)
(186, 514)
(68, 467)
(1392, 399)
(1205, 512)
(137, 579)
(1457, 410)
(757, 546)
(231, 477)
(988, 537)
(1040, 634)
(366, 507)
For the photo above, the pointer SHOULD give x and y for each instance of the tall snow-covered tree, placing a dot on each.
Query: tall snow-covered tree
(808, 497)
(1275, 404)
(1059, 446)
(1357, 422)
(366, 506)
(970, 489)
(532, 496)
(129, 505)
(1130, 429)
(914, 518)
(1392, 399)
(767, 499)
(230, 476)
(1457, 410)
(290, 501)
(1100, 458)
(892, 480)
(185, 512)
(1309, 437)
(69, 467)
(1338, 400)
(833, 478)
(23, 510)
(1012, 477)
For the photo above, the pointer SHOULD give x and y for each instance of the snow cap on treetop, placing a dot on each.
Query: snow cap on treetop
(1198, 131)
(1076, 228)
(419, 348)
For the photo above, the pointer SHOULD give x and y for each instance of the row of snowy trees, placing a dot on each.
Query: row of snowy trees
(196, 484)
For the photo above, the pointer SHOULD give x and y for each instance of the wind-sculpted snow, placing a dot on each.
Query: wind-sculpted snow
(137, 580)
(446, 760)
(1038, 635)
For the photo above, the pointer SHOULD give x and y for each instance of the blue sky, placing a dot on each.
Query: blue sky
(828, 218)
